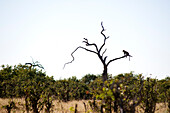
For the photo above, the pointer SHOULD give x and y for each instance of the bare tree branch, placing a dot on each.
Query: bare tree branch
(115, 59)
(88, 44)
(104, 37)
(34, 64)
(104, 52)
(75, 51)
(105, 58)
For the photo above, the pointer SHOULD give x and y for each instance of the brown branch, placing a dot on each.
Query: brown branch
(28, 64)
(34, 65)
(75, 51)
(105, 58)
(115, 59)
(88, 44)
(104, 52)
(103, 36)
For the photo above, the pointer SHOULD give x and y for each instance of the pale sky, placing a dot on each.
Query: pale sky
(49, 30)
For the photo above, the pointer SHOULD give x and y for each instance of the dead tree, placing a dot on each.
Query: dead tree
(99, 53)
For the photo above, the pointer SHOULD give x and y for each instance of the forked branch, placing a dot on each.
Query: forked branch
(88, 44)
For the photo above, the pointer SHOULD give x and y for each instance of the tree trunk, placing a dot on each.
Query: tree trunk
(75, 109)
(26, 104)
(115, 105)
(34, 106)
(104, 74)
(110, 106)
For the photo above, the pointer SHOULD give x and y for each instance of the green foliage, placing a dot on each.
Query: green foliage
(150, 95)
(71, 109)
(48, 94)
(123, 92)
(32, 84)
(164, 91)
(87, 79)
(7, 82)
(71, 89)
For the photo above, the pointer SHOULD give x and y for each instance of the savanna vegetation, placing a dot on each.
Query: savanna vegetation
(125, 93)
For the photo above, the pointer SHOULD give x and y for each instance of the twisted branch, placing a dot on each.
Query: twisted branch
(75, 51)
(103, 36)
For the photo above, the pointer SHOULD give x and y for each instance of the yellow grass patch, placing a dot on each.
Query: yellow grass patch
(66, 107)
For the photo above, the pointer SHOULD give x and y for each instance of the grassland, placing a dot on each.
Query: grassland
(67, 107)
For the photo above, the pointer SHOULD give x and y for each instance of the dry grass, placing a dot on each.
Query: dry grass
(59, 107)
(65, 107)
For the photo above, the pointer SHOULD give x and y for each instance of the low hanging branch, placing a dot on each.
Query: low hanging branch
(98, 53)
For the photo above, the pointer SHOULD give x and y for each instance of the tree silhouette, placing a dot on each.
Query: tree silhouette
(99, 53)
